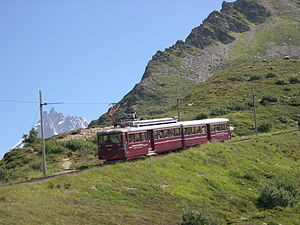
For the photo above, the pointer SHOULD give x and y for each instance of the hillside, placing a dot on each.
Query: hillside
(242, 32)
(158, 190)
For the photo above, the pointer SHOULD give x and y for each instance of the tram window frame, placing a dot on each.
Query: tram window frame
(138, 137)
(155, 135)
(131, 138)
(114, 139)
(160, 134)
(144, 136)
(172, 132)
(177, 132)
(212, 128)
(188, 130)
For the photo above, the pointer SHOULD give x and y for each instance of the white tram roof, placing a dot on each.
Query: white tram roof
(161, 126)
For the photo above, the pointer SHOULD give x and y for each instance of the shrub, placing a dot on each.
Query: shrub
(202, 116)
(31, 138)
(219, 111)
(192, 217)
(281, 82)
(4, 175)
(294, 80)
(271, 75)
(55, 148)
(254, 77)
(84, 147)
(264, 127)
(268, 98)
(279, 191)
(35, 165)
(237, 107)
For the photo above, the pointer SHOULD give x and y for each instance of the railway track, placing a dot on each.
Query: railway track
(73, 172)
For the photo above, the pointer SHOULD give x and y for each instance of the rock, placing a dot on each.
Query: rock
(242, 218)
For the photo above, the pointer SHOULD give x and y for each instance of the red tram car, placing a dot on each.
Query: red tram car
(148, 137)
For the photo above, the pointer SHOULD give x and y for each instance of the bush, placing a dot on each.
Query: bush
(219, 111)
(192, 217)
(81, 146)
(278, 191)
(271, 75)
(54, 148)
(31, 138)
(202, 116)
(237, 107)
(294, 80)
(36, 165)
(281, 82)
(268, 98)
(4, 175)
(264, 127)
(255, 77)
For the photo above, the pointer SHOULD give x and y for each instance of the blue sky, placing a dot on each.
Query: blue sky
(77, 51)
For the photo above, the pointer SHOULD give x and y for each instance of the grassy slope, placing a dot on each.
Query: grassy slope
(231, 89)
(220, 178)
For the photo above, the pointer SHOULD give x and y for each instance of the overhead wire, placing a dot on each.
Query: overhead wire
(56, 103)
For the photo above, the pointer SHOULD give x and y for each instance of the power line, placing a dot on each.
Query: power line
(18, 101)
(56, 103)
(85, 103)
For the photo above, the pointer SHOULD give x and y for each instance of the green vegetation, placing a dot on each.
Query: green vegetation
(278, 191)
(193, 217)
(229, 94)
(25, 163)
(223, 180)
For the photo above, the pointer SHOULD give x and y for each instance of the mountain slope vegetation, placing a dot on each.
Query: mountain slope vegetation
(223, 179)
(245, 31)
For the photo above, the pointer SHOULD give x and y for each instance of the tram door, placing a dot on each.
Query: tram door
(150, 138)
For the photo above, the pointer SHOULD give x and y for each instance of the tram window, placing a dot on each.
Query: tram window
(212, 128)
(160, 134)
(172, 133)
(143, 136)
(223, 126)
(155, 134)
(203, 130)
(138, 137)
(110, 139)
(177, 132)
(188, 130)
(131, 138)
(166, 133)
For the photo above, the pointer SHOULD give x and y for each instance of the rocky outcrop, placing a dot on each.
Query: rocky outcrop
(188, 62)
(217, 29)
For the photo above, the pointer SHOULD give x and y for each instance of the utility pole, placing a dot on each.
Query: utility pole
(178, 105)
(254, 110)
(42, 136)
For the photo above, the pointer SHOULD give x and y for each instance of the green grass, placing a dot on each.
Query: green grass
(229, 92)
(221, 178)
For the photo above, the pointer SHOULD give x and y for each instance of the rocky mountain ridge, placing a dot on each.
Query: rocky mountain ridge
(245, 30)
(55, 123)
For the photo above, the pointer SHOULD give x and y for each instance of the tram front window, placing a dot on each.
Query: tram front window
(110, 139)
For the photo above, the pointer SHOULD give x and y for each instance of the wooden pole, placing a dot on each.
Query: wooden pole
(42, 136)
(178, 105)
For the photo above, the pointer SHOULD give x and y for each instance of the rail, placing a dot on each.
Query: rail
(34, 180)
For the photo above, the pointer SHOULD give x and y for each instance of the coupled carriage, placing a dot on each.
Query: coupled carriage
(149, 137)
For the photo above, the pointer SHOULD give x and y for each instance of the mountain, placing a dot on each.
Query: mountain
(243, 31)
(55, 123)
